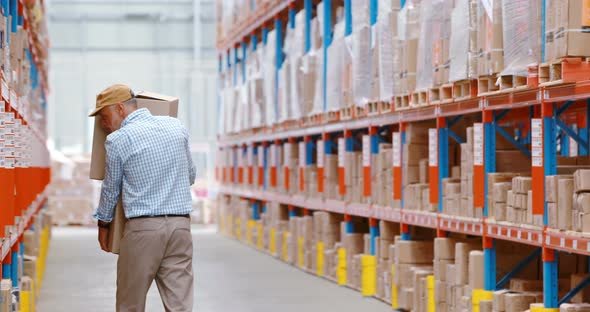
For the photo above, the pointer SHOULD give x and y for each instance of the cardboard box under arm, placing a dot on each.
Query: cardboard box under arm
(157, 104)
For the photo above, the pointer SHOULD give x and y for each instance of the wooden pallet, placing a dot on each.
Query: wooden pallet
(434, 95)
(446, 93)
(465, 89)
(385, 106)
(331, 116)
(313, 120)
(419, 98)
(372, 108)
(564, 70)
(401, 102)
(349, 113)
(510, 83)
(487, 84)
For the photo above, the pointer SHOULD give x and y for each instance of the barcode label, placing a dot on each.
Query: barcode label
(341, 152)
(433, 147)
(366, 151)
(321, 152)
(397, 149)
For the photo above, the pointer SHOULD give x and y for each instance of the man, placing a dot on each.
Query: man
(148, 161)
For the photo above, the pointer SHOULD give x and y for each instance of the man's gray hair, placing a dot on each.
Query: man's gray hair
(131, 102)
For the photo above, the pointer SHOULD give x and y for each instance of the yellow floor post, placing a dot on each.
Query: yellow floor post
(394, 303)
(341, 267)
(478, 295)
(368, 275)
(285, 250)
(250, 231)
(25, 301)
(320, 258)
(273, 241)
(300, 254)
(260, 231)
(430, 288)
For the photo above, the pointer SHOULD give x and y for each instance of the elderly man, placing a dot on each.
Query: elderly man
(148, 161)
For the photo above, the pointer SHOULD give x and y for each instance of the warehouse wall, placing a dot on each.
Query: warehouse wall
(161, 46)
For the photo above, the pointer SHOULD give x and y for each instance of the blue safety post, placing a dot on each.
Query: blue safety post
(519, 267)
(264, 34)
(405, 229)
(20, 20)
(236, 63)
(489, 244)
(374, 232)
(550, 264)
(308, 7)
(575, 291)
(14, 266)
(14, 15)
(292, 15)
(7, 268)
(254, 42)
(583, 130)
(279, 59)
(327, 43)
(347, 17)
(255, 210)
(264, 207)
(244, 54)
(402, 3)
(265, 161)
(309, 150)
(443, 156)
(374, 10)
(543, 27)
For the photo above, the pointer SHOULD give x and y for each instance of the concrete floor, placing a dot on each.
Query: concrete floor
(229, 277)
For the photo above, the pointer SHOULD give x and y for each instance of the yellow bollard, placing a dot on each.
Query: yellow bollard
(273, 241)
(320, 258)
(260, 234)
(341, 267)
(300, 254)
(368, 275)
(25, 301)
(430, 288)
(285, 250)
(478, 295)
(239, 229)
(394, 303)
(250, 231)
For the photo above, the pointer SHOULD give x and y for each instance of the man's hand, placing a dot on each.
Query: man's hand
(103, 238)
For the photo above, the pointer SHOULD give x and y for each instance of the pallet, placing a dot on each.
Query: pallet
(446, 93)
(434, 95)
(353, 112)
(372, 108)
(331, 117)
(419, 98)
(385, 106)
(487, 84)
(510, 83)
(564, 70)
(401, 102)
(313, 120)
(465, 89)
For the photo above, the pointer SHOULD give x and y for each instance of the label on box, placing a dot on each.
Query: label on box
(321, 153)
(273, 156)
(432, 147)
(341, 152)
(302, 154)
(397, 149)
(287, 153)
(478, 144)
(537, 142)
(366, 151)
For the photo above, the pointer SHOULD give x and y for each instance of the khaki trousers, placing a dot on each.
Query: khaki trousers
(158, 248)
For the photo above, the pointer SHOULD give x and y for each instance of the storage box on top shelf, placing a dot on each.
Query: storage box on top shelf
(409, 33)
(521, 35)
(564, 34)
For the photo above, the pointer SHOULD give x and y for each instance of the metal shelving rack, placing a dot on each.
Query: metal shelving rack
(22, 186)
(544, 105)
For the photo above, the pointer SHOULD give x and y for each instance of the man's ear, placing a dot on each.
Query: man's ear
(121, 109)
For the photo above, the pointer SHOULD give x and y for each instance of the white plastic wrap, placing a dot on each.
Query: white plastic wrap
(387, 32)
(433, 43)
(460, 40)
(361, 13)
(408, 32)
(318, 98)
(270, 79)
(295, 54)
(309, 78)
(256, 89)
(284, 92)
(335, 68)
(361, 65)
(522, 35)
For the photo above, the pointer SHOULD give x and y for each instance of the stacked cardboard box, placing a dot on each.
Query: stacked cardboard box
(354, 245)
(505, 201)
(409, 17)
(310, 179)
(331, 176)
(385, 257)
(467, 175)
(558, 194)
(574, 307)
(562, 35)
(353, 177)
(413, 261)
(500, 199)
(290, 164)
(486, 51)
(73, 197)
(459, 275)
(416, 192)
(444, 255)
(382, 179)
(581, 203)
(451, 189)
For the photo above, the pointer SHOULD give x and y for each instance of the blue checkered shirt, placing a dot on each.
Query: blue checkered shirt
(148, 160)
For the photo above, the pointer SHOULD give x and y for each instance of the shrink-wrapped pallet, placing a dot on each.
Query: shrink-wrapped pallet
(522, 35)
(334, 79)
(270, 96)
(362, 53)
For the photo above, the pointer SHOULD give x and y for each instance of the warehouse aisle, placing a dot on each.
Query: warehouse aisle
(230, 277)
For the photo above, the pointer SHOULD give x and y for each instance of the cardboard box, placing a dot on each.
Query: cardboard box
(485, 306)
(563, 27)
(583, 202)
(582, 181)
(440, 291)
(476, 270)
(498, 300)
(518, 302)
(6, 294)
(501, 191)
(462, 251)
(444, 248)
(160, 105)
(440, 269)
(414, 252)
(523, 285)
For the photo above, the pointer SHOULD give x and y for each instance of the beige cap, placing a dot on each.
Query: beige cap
(112, 95)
